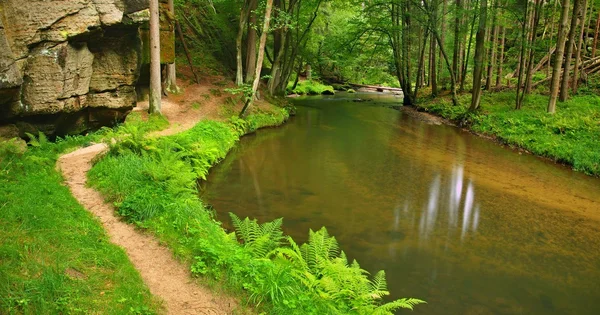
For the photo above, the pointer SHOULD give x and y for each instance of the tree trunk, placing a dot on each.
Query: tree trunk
(493, 48)
(466, 60)
(457, 39)
(261, 56)
(251, 43)
(579, 47)
(433, 67)
(443, 38)
(564, 88)
(522, 55)
(595, 43)
(171, 80)
(558, 57)
(155, 86)
(421, 63)
(239, 77)
(479, 50)
(530, 61)
(501, 59)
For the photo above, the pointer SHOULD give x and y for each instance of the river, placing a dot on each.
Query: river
(456, 220)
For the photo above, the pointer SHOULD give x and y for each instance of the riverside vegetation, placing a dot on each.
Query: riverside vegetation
(569, 136)
(152, 182)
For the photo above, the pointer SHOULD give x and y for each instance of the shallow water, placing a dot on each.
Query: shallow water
(467, 225)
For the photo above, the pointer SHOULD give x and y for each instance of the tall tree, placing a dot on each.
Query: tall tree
(579, 47)
(261, 56)
(558, 56)
(564, 87)
(155, 86)
(251, 42)
(243, 21)
(479, 51)
(171, 79)
(457, 38)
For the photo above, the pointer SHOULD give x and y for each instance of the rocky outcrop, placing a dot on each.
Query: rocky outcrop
(69, 65)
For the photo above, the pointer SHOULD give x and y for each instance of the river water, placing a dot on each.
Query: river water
(456, 220)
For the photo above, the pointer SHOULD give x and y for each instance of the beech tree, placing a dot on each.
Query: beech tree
(155, 82)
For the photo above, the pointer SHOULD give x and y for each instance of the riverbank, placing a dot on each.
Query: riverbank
(570, 137)
(152, 182)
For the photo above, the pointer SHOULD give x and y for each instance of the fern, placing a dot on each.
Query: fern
(260, 239)
(391, 307)
(38, 141)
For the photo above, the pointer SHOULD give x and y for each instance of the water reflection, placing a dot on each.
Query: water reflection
(447, 203)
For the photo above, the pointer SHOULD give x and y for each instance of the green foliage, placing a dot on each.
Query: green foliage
(310, 88)
(570, 136)
(259, 239)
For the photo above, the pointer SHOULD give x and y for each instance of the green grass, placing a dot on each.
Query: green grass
(312, 87)
(571, 136)
(55, 258)
(153, 184)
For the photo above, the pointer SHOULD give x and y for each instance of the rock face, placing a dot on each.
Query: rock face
(67, 66)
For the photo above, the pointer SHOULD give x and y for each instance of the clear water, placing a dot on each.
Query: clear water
(456, 220)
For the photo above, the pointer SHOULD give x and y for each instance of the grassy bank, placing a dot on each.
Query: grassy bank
(571, 136)
(55, 258)
(153, 184)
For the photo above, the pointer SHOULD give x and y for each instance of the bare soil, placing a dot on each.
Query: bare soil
(167, 278)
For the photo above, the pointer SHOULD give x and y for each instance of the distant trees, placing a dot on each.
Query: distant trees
(438, 46)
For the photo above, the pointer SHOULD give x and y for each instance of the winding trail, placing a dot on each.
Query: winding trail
(166, 278)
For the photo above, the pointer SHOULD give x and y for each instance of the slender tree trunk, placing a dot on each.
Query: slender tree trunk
(171, 79)
(522, 55)
(421, 63)
(457, 39)
(579, 47)
(443, 38)
(155, 86)
(479, 50)
(595, 43)
(251, 43)
(501, 59)
(558, 56)
(564, 88)
(433, 67)
(466, 61)
(530, 59)
(493, 48)
(239, 77)
(261, 56)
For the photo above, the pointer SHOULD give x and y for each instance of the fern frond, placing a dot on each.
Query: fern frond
(379, 282)
(389, 308)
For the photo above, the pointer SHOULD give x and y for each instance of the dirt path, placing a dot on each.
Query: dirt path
(167, 279)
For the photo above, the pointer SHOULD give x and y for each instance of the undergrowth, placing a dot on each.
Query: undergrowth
(571, 136)
(55, 258)
(312, 87)
(153, 184)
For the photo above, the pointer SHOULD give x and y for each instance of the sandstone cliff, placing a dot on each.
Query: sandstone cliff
(69, 65)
